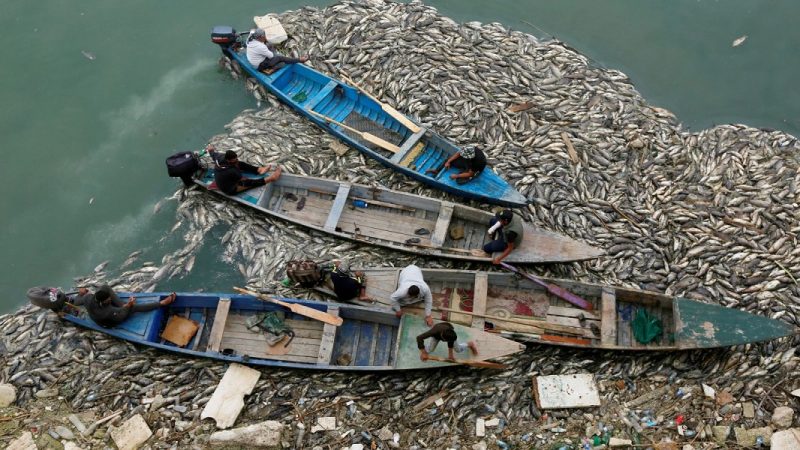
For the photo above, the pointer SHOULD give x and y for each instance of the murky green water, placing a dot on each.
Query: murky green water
(84, 140)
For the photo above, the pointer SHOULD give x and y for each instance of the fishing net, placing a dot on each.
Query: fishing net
(646, 328)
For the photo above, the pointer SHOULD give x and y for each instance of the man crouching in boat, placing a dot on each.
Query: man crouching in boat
(469, 160)
(506, 232)
(265, 57)
(412, 288)
(443, 331)
(107, 310)
(228, 173)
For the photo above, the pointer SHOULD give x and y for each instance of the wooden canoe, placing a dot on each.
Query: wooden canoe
(526, 312)
(369, 339)
(375, 129)
(392, 218)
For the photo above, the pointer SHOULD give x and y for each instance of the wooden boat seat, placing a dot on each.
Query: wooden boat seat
(412, 155)
(338, 206)
(479, 294)
(266, 195)
(407, 146)
(328, 336)
(320, 95)
(270, 71)
(442, 224)
(215, 338)
(608, 317)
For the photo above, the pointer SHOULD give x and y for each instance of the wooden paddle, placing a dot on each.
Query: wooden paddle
(558, 291)
(537, 324)
(369, 137)
(388, 109)
(480, 364)
(296, 308)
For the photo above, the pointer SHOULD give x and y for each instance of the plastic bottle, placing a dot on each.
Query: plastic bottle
(759, 441)
(286, 282)
(503, 445)
(360, 203)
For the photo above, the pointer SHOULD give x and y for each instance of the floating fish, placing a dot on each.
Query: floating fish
(89, 55)
(739, 41)
(91, 200)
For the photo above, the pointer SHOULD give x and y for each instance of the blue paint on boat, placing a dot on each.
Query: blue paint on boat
(306, 89)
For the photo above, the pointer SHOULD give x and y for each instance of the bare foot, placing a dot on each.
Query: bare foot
(304, 58)
(168, 299)
(473, 348)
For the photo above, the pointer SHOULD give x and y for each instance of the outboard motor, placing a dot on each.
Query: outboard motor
(224, 36)
(47, 297)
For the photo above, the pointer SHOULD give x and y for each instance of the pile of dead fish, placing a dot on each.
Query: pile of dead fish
(710, 215)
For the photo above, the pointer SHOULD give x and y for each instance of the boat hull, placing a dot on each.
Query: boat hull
(394, 219)
(520, 309)
(339, 108)
(368, 339)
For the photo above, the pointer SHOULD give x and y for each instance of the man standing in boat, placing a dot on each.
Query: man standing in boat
(469, 160)
(228, 173)
(506, 232)
(107, 310)
(264, 56)
(443, 331)
(411, 288)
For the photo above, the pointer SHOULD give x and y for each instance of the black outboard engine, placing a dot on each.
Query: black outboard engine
(224, 36)
(47, 297)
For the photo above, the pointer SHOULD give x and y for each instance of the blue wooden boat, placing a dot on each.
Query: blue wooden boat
(372, 127)
(368, 339)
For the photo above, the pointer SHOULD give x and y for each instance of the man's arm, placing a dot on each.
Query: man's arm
(509, 249)
(396, 296)
(428, 306)
(421, 338)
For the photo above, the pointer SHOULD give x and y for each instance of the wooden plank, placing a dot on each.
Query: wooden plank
(608, 320)
(338, 207)
(407, 145)
(199, 336)
(442, 224)
(266, 195)
(328, 336)
(218, 327)
(480, 292)
(571, 311)
(412, 155)
(228, 399)
(566, 391)
(375, 328)
(624, 327)
(256, 345)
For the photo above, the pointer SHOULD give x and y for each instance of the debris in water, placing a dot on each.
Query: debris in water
(89, 55)
(739, 41)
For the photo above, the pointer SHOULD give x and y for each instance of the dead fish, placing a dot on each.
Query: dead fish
(739, 41)
(91, 200)
(101, 266)
(89, 55)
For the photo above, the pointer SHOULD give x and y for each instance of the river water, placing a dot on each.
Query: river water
(96, 94)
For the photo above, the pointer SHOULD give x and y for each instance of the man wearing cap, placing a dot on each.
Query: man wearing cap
(470, 160)
(228, 174)
(506, 230)
(264, 57)
(107, 310)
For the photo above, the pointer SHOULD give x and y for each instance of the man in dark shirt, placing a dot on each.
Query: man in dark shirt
(470, 160)
(443, 331)
(508, 230)
(229, 170)
(107, 310)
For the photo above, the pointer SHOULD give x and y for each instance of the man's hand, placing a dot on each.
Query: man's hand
(82, 291)
(429, 321)
(131, 302)
(399, 313)
(496, 261)
(262, 170)
(454, 176)
(423, 355)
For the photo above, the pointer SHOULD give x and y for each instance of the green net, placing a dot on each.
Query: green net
(646, 328)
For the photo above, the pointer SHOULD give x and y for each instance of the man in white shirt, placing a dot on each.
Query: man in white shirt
(264, 57)
(411, 288)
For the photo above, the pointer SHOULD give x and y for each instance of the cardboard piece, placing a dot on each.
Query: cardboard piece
(179, 330)
(132, 434)
(272, 28)
(228, 399)
(565, 391)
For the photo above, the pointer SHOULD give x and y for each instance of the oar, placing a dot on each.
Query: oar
(558, 291)
(386, 108)
(296, 308)
(364, 135)
(536, 324)
(481, 364)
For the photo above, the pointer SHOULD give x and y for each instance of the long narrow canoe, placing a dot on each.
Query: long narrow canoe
(347, 113)
(369, 339)
(525, 311)
(392, 218)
